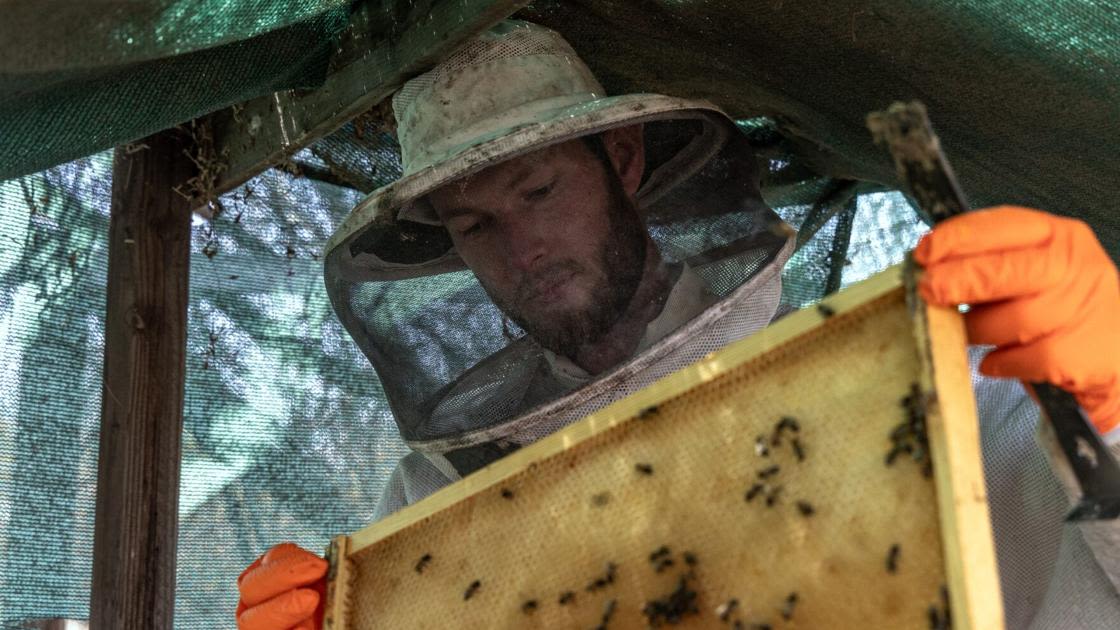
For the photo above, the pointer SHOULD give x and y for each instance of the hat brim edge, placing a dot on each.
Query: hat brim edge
(385, 204)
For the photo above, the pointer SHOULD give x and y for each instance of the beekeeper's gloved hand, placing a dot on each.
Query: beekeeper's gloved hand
(282, 590)
(1042, 290)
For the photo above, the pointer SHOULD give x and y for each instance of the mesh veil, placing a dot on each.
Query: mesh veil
(457, 372)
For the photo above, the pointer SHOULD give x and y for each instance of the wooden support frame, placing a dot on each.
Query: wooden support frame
(268, 130)
(136, 515)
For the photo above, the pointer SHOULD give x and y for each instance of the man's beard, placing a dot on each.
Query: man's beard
(617, 274)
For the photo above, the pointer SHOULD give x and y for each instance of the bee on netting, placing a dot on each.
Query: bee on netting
(507, 494)
(423, 562)
(529, 606)
(471, 589)
(689, 558)
(660, 553)
(647, 413)
(663, 564)
(805, 508)
(760, 447)
(892, 558)
(566, 598)
(787, 609)
(645, 469)
(825, 310)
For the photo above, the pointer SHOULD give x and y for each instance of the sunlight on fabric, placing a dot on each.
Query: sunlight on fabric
(23, 307)
(202, 478)
(883, 231)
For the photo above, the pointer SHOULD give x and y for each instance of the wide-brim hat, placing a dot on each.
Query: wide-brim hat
(516, 89)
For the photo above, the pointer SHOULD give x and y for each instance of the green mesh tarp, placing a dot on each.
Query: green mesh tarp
(82, 77)
(286, 435)
(1023, 93)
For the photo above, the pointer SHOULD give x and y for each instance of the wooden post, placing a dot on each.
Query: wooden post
(133, 586)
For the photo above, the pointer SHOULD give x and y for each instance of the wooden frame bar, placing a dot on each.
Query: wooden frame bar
(962, 495)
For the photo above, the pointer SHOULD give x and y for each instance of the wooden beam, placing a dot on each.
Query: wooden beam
(268, 130)
(136, 516)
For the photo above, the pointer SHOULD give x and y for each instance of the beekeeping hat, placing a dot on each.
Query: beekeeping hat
(450, 367)
(516, 88)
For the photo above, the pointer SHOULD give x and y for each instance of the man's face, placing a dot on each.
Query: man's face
(553, 237)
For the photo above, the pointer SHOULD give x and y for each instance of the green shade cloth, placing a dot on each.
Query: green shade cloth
(1023, 93)
(85, 77)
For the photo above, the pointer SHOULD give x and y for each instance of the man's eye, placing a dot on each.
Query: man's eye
(539, 193)
(471, 229)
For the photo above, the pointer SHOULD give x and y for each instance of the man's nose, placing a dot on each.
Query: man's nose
(526, 244)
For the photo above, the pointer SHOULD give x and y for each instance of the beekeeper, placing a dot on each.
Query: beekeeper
(550, 249)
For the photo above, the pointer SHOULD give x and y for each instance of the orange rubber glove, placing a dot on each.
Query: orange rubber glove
(1042, 290)
(282, 590)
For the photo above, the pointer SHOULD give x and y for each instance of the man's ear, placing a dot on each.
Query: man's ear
(626, 149)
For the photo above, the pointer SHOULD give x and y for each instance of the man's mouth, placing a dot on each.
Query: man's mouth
(550, 288)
